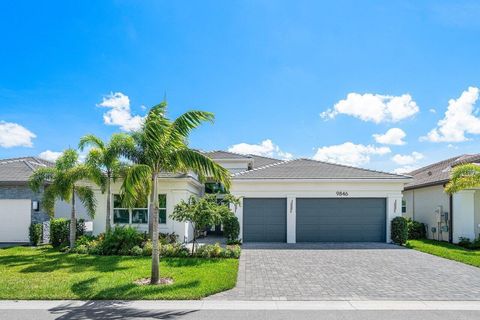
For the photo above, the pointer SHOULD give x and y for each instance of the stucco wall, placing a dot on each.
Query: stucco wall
(421, 204)
(24, 192)
(477, 213)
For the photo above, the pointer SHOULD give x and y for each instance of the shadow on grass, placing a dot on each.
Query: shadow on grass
(113, 310)
(48, 260)
(85, 290)
(188, 262)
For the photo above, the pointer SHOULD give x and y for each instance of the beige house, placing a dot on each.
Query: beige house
(447, 217)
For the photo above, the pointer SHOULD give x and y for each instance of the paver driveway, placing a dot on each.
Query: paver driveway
(359, 271)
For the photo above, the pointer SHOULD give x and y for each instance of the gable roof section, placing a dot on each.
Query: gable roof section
(312, 169)
(439, 172)
(19, 170)
(219, 154)
(261, 161)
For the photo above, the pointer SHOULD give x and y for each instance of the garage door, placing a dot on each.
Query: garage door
(264, 220)
(341, 220)
(14, 220)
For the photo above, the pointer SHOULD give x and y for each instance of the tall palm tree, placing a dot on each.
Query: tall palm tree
(464, 176)
(161, 146)
(62, 181)
(105, 157)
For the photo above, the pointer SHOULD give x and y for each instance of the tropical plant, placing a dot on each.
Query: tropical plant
(463, 177)
(105, 157)
(162, 146)
(62, 183)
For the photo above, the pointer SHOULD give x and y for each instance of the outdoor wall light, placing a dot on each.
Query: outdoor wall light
(36, 205)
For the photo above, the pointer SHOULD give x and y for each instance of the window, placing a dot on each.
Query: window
(404, 206)
(213, 187)
(162, 208)
(137, 215)
(120, 214)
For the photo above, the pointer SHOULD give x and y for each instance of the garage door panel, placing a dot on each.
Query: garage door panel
(264, 220)
(325, 220)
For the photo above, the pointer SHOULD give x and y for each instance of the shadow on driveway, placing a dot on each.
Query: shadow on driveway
(320, 246)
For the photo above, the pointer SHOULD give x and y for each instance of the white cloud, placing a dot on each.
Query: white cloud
(459, 119)
(405, 169)
(120, 113)
(392, 136)
(14, 135)
(349, 153)
(374, 107)
(407, 159)
(432, 110)
(266, 148)
(50, 155)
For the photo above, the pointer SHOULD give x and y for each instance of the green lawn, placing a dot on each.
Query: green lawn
(45, 273)
(446, 250)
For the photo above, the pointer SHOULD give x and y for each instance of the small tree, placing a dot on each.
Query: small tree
(465, 176)
(203, 212)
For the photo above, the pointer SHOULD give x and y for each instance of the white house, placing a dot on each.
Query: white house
(448, 217)
(299, 200)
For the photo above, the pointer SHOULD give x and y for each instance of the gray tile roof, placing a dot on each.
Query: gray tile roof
(312, 169)
(260, 161)
(438, 173)
(19, 170)
(219, 154)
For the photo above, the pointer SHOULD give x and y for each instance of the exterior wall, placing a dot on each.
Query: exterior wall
(291, 190)
(175, 189)
(24, 192)
(421, 204)
(477, 214)
(234, 165)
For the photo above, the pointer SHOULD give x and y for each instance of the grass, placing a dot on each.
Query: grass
(44, 273)
(446, 250)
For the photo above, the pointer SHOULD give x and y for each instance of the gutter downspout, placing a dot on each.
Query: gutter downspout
(450, 222)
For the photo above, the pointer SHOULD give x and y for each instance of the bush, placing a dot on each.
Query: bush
(81, 249)
(399, 230)
(136, 251)
(60, 231)
(216, 251)
(464, 242)
(231, 228)
(234, 242)
(35, 233)
(167, 238)
(147, 248)
(120, 241)
(475, 244)
(416, 230)
(173, 250)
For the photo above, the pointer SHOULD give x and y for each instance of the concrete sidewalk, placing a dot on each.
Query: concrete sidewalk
(351, 305)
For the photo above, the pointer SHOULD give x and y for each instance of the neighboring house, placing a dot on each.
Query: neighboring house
(19, 205)
(448, 217)
(290, 201)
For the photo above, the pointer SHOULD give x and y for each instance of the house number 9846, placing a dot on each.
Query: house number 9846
(342, 193)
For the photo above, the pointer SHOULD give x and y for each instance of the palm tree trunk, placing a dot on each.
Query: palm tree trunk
(150, 211)
(155, 277)
(73, 222)
(109, 214)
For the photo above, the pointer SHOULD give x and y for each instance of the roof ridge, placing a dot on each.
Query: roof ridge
(235, 153)
(358, 168)
(263, 167)
(453, 159)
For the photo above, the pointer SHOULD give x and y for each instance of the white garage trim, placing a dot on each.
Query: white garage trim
(15, 217)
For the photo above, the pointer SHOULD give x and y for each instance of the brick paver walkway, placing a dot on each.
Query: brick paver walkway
(349, 272)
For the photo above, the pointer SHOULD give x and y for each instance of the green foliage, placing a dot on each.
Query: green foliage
(216, 251)
(416, 230)
(446, 250)
(231, 228)
(120, 241)
(166, 238)
(464, 242)
(81, 249)
(173, 250)
(136, 251)
(465, 176)
(35, 232)
(399, 230)
(60, 230)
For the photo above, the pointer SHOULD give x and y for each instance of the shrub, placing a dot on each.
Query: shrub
(147, 248)
(475, 244)
(232, 252)
(231, 228)
(234, 242)
(464, 242)
(120, 241)
(81, 249)
(35, 233)
(216, 251)
(416, 230)
(173, 250)
(166, 238)
(399, 230)
(60, 231)
(136, 251)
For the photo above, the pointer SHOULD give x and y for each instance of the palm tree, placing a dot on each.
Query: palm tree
(161, 146)
(62, 181)
(464, 176)
(105, 157)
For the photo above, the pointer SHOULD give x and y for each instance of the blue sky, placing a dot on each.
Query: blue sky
(268, 70)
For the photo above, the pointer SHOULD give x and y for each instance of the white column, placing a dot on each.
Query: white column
(464, 215)
(239, 214)
(394, 209)
(291, 219)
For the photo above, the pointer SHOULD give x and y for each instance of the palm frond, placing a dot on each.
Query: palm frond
(190, 120)
(463, 177)
(137, 184)
(67, 160)
(87, 198)
(90, 140)
(189, 159)
(41, 177)
(50, 194)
